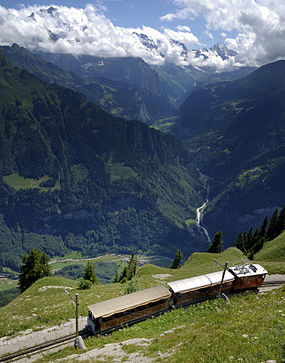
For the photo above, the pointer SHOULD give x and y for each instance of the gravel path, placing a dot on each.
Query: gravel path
(28, 339)
(274, 279)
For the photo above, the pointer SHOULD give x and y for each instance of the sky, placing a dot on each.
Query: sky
(254, 29)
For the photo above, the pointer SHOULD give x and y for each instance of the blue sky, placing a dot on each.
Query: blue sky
(125, 13)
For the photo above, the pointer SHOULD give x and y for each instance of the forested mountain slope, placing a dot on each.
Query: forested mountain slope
(130, 71)
(114, 96)
(73, 177)
(236, 133)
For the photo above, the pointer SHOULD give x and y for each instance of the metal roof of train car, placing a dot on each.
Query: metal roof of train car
(216, 277)
(193, 283)
(251, 269)
(130, 301)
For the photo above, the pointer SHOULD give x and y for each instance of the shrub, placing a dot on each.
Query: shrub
(84, 284)
(132, 286)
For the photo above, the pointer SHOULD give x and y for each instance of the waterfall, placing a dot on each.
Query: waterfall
(199, 217)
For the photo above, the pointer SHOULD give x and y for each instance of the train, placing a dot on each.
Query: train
(121, 311)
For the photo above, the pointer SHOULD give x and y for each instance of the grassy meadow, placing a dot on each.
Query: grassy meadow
(273, 250)
(249, 329)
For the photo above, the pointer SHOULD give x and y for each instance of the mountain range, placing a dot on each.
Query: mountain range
(125, 87)
(163, 88)
(73, 177)
(236, 133)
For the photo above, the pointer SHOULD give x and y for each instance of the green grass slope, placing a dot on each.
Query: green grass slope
(212, 331)
(46, 304)
(273, 250)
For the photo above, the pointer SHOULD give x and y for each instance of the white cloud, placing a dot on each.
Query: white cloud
(183, 28)
(88, 31)
(259, 25)
(210, 35)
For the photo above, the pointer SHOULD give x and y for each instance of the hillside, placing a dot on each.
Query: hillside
(273, 250)
(236, 133)
(73, 177)
(219, 330)
(179, 82)
(133, 72)
(125, 87)
(147, 276)
(116, 97)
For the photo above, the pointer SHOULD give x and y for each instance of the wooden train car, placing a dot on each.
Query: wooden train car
(120, 311)
(127, 309)
(198, 288)
(247, 276)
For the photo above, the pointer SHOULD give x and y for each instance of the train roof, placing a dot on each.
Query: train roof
(193, 283)
(249, 269)
(130, 301)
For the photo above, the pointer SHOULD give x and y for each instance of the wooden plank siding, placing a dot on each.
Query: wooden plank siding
(248, 282)
(200, 294)
(132, 315)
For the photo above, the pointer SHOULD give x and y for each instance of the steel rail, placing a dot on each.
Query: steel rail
(8, 357)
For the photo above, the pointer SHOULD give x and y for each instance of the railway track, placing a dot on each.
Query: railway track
(65, 340)
(37, 349)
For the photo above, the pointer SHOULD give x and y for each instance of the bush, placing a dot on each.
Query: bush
(132, 286)
(84, 284)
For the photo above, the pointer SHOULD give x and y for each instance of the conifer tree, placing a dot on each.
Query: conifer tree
(34, 267)
(248, 239)
(89, 273)
(132, 267)
(217, 244)
(240, 242)
(263, 228)
(272, 229)
(280, 226)
(255, 237)
(129, 271)
(250, 243)
(176, 263)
